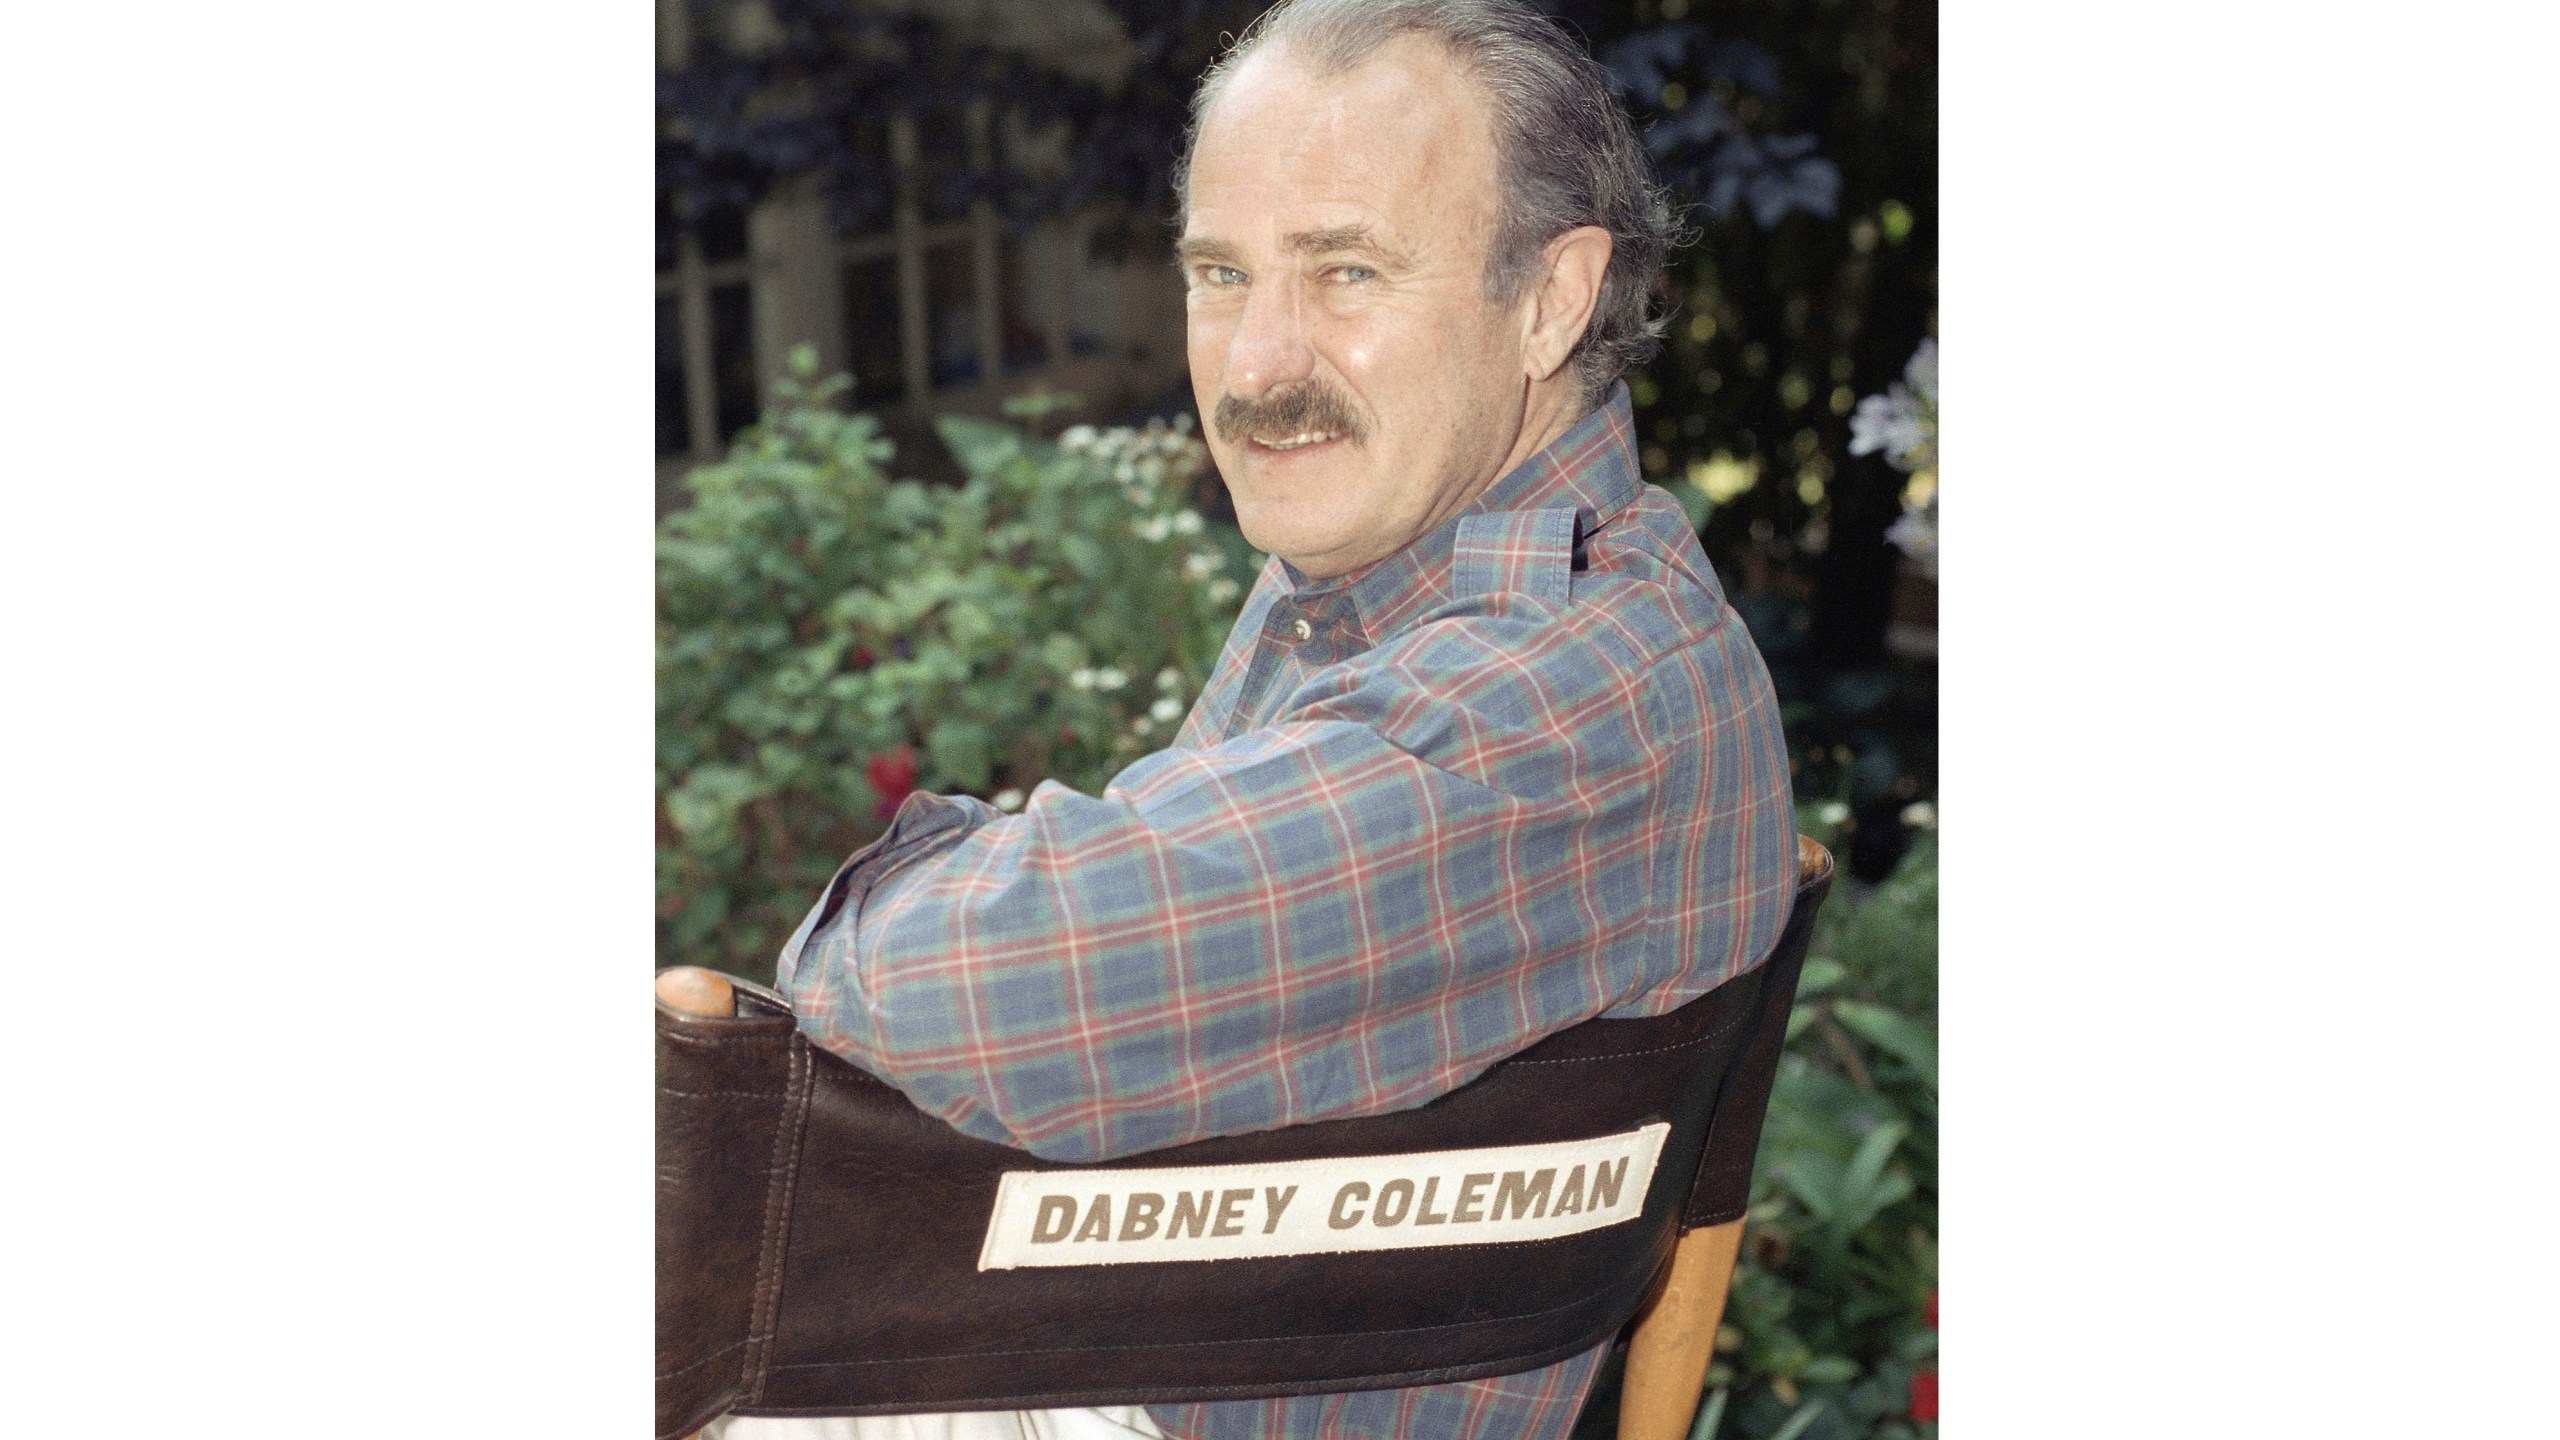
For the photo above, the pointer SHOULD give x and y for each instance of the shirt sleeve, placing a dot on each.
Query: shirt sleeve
(1415, 872)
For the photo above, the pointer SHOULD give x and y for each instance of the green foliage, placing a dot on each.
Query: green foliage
(826, 631)
(1840, 1254)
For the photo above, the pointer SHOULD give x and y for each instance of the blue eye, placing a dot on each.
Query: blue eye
(1223, 275)
(1354, 274)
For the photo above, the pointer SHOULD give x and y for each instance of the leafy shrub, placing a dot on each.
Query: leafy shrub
(830, 638)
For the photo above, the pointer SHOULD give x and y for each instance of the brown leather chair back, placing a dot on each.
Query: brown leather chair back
(820, 1239)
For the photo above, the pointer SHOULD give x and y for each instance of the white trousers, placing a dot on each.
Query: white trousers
(1121, 1422)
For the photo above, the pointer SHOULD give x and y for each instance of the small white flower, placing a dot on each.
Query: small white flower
(1832, 812)
(1921, 374)
(1889, 422)
(1110, 677)
(1916, 535)
(1902, 422)
(1201, 564)
(1084, 677)
(1920, 815)
(1169, 679)
(1143, 727)
(1008, 799)
(1167, 710)
(1078, 437)
(1155, 529)
(1187, 522)
(1222, 590)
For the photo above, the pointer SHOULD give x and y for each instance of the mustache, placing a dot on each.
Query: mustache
(1311, 405)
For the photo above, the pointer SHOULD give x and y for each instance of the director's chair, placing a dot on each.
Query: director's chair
(825, 1248)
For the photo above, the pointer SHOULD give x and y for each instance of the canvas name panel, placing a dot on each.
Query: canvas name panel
(1500, 1195)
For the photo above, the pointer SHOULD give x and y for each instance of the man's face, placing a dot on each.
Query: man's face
(1359, 388)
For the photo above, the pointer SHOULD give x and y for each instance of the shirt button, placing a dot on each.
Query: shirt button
(1303, 630)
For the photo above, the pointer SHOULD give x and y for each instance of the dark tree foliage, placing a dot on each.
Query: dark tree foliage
(1784, 319)
(813, 100)
(1801, 132)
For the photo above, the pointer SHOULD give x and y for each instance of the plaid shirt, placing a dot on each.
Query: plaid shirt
(1526, 771)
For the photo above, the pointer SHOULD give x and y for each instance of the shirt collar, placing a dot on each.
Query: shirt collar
(1590, 469)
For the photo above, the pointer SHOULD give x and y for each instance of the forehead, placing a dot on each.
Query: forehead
(1400, 142)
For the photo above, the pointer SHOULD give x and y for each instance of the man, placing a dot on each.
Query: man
(1486, 754)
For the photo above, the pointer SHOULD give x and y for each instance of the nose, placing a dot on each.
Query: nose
(1270, 347)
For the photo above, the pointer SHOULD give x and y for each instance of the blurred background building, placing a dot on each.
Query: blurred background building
(887, 252)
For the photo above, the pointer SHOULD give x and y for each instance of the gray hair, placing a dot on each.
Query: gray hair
(1566, 154)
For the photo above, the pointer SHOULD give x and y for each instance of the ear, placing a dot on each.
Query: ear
(1560, 304)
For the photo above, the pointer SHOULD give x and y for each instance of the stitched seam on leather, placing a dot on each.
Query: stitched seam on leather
(1418, 1377)
(804, 1080)
(1695, 1213)
(786, 1162)
(1347, 1335)
(725, 1094)
(1172, 1394)
(705, 1360)
(1699, 1181)
(1716, 1034)
(1397, 1379)
(713, 1042)
(1185, 1394)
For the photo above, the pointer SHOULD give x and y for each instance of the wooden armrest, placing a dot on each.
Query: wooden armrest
(1667, 1361)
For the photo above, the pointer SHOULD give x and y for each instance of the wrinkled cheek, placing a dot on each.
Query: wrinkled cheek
(1358, 355)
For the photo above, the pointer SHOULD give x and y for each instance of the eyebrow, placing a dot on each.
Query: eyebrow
(1347, 239)
(1333, 240)
(1192, 250)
